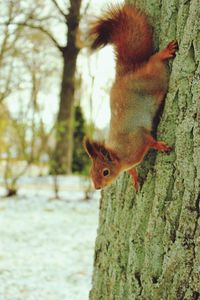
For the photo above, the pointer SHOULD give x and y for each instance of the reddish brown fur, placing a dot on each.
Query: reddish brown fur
(129, 30)
(140, 85)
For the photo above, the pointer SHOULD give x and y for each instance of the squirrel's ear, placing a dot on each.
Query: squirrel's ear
(96, 149)
(90, 149)
(104, 153)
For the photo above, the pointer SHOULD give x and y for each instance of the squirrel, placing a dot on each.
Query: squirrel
(138, 91)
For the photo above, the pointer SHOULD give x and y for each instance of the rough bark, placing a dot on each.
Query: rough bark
(148, 245)
(62, 162)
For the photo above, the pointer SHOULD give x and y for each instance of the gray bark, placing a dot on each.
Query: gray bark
(148, 245)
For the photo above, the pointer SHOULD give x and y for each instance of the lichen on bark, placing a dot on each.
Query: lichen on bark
(148, 245)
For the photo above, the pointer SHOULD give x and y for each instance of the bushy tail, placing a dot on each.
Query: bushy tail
(128, 29)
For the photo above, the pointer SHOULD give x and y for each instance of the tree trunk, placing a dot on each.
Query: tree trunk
(62, 161)
(148, 245)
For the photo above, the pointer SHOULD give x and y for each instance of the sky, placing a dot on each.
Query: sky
(102, 67)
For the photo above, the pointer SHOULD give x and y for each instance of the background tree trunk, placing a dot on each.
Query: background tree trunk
(62, 161)
(148, 245)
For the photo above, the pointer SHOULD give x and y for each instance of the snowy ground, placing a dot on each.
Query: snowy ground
(46, 246)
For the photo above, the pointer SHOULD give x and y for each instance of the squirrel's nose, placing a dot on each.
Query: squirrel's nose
(97, 187)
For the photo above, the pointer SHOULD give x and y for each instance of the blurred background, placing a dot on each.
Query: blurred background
(53, 92)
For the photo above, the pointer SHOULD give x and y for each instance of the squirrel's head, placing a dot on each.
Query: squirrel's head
(106, 165)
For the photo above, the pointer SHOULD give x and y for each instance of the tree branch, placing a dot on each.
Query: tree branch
(59, 9)
(46, 18)
(86, 9)
(40, 28)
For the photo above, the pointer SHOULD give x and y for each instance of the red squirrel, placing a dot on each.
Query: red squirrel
(139, 88)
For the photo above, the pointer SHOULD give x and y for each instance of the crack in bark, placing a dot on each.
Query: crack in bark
(138, 278)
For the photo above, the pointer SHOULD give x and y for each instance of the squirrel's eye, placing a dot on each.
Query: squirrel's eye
(106, 172)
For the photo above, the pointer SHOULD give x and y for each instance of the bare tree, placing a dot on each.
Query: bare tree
(69, 17)
(24, 135)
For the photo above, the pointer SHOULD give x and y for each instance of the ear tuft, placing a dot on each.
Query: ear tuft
(98, 149)
(88, 145)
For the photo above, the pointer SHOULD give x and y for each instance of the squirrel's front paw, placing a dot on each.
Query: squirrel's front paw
(162, 146)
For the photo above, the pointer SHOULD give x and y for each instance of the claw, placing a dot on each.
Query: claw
(158, 145)
(171, 48)
(162, 146)
(169, 51)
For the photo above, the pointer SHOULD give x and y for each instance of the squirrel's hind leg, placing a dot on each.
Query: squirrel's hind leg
(167, 52)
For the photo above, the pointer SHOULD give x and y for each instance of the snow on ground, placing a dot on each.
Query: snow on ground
(47, 246)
